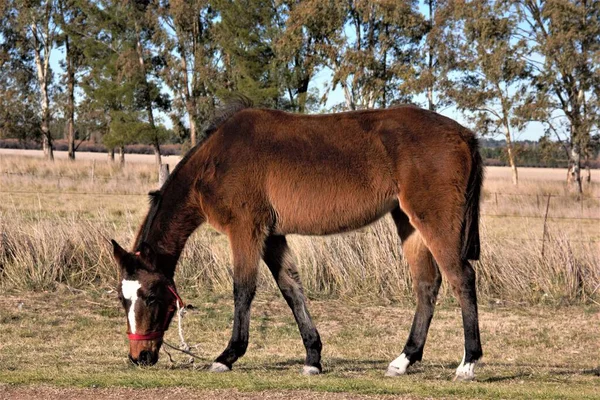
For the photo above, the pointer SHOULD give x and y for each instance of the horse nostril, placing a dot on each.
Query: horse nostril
(146, 358)
(133, 361)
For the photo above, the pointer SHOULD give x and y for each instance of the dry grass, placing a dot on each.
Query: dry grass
(60, 323)
(77, 340)
(53, 234)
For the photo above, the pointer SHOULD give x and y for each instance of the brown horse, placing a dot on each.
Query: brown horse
(263, 174)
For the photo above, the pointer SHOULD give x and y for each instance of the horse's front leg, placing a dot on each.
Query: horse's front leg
(246, 250)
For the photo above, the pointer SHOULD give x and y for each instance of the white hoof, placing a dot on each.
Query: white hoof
(398, 366)
(465, 372)
(309, 370)
(218, 367)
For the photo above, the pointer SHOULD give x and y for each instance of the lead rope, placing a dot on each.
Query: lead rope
(183, 346)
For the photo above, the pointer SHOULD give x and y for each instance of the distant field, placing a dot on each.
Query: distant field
(550, 174)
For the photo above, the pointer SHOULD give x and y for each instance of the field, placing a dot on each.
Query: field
(62, 331)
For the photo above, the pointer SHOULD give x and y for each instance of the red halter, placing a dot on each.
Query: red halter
(159, 334)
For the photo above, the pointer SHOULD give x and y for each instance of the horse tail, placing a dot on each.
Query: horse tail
(470, 228)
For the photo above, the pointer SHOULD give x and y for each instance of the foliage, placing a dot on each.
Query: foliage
(172, 62)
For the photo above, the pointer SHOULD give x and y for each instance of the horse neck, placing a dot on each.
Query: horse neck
(172, 218)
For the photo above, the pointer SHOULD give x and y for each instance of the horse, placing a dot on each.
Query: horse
(262, 174)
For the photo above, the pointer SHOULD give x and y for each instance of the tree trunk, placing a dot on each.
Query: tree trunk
(46, 135)
(588, 170)
(157, 158)
(147, 99)
(71, 101)
(430, 103)
(576, 168)
(42, 68)
(111, 155)
(303, 94)
(511, 156)
(191, 111)
(121, 156)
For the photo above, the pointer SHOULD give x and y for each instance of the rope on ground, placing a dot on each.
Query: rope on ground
(183, 346)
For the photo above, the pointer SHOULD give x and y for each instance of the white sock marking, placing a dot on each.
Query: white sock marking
(129, 289)
(399, 365)
(465, 371)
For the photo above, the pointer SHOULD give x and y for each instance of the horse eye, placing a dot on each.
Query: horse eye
(151, 299)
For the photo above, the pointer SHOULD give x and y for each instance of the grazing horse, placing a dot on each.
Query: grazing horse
(263, 174)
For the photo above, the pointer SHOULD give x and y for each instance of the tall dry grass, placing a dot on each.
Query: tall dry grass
(45, 245)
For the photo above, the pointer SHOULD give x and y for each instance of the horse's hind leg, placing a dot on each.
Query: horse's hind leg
(277, 257)
(426, 283)
(439, 222)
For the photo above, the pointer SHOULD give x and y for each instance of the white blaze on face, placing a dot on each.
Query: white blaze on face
(129, 290)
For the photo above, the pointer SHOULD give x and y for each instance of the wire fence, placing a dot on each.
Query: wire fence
(546, 217)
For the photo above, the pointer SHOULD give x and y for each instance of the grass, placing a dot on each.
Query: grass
(77, 340)
(60, 323)
(55, 221)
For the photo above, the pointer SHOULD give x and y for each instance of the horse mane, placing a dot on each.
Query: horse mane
(234, 105)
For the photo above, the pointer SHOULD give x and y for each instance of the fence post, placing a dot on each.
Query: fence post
(545, 224)
(93, 170)
(163, 174)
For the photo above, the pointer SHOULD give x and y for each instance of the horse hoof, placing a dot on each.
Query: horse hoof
(309, 370)
(398, 366)
(218, 367)
(394, 371)
(465, 372)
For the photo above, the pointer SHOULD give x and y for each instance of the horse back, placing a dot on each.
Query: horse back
(323, 174)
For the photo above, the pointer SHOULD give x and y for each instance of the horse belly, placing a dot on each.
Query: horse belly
(322, 204)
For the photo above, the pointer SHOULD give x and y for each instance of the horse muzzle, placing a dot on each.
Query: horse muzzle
(146, 358)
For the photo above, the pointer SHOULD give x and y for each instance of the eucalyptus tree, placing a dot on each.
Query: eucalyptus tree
(188, 47)
(144, 17)
(371, 48)
(19, 99)
(72, 21)
(565, 39)
(245, 34)
(33, 30)
(307, 26)
(491, 83)
(428, 69)
(123, 66)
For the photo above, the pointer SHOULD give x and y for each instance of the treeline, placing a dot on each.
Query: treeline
(126, 66)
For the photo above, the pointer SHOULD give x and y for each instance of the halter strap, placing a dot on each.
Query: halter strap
(159, 334)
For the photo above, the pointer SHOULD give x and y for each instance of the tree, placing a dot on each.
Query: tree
(188, 48)
(122, 69)
(71, 20)
(19, 99)
(370, 62)
(429, 68)
(34, 30)
(306, 27)
(565, 38)
(149, 95)
(491, 61)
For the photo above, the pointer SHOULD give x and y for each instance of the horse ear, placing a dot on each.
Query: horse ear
(119, 252)
(147, 253)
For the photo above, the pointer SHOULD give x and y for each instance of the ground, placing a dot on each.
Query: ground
(73, 345)
(62, 331)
